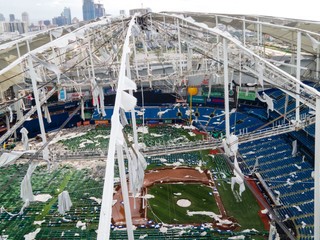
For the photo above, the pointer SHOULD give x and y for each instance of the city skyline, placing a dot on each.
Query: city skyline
(38, 10)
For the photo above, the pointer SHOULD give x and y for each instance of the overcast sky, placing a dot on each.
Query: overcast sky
(41, 9)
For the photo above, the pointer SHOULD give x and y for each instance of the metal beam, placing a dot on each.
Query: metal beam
(298, 74)
(45, 152)
(317, 65)
(226, 87)
(125, 193)
(317, 174)
(243, 31)
(179, 45)
(26, 116)
(107, 197)
(282, 76)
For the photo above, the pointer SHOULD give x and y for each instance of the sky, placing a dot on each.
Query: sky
(42, 10)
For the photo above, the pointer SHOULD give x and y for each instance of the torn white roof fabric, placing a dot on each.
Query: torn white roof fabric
(26, 189)
(64, 202)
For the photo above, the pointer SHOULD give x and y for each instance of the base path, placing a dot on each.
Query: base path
(172, 175)
(161, 176)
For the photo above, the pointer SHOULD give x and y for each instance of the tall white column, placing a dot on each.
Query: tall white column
(240, 68)
(133, 112)
(18, 50)
(125, 194)
(51, 38)
(151, 25)
(166, 35)
(179, 42)
(107, 196)
(261, 40)
(258, 32)
(19, 55)
(45, 151)
(1, 96)
(298, 75)
(91, 59)
(135, 56)
(28, 46)
(146, 54)
(226, 87)
(21, 67)
(318, 65)
(218, 57)
(115, 139)
(217, 23)
(244, 31)
(189, 60)
(292, 54)
(317, 174)
(8, 122)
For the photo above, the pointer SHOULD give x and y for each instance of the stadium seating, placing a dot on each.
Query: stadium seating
(288, 177)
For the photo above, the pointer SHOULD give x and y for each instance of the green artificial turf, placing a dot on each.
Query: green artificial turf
(245, 211)
(164, 206)
(54, 199)
(166, 135)
(219, 166)
(96, 136)
(81, 186)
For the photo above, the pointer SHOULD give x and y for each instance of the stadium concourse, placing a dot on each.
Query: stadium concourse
(162, 125)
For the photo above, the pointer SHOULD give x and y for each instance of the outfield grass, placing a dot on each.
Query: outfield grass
(218, 164)
(54, 199)
(153, 166)
(246, 211)
(166, 135)
(96, 137)
(164, 206)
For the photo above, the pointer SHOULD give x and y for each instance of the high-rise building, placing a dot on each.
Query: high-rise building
(2, 18)
(99, 10)
(67, 14)
(25, 18)
(11, 17)
(46, 22)
(88, 10)
(60, 21)
(20, 27)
